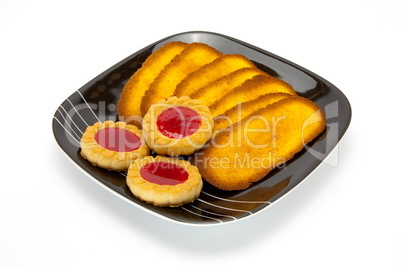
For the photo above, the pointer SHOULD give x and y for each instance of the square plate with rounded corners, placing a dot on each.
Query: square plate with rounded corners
(96, 101)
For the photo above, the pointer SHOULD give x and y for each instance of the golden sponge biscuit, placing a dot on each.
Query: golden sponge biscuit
(250, 90)
(242, 110)
(262, 141)
(128, 107)
(221, 66)
(215, 90)
(189, 60)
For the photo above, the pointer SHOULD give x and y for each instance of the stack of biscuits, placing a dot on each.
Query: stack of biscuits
(259, 120)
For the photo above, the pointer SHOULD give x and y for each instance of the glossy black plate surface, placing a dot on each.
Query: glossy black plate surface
(96, 101)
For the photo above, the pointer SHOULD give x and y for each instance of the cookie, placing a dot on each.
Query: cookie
(250, 90)
(242, 110)
(129, 104)
(177, 126)
(215, 90)
(113, 146)
(189, 60)
(210, 72)
(261, 141)
(164, 181)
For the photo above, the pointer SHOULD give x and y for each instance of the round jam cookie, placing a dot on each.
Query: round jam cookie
(177, 126)
(164, 181)
(113, 146)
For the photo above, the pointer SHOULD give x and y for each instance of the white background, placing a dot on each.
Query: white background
(346, 214)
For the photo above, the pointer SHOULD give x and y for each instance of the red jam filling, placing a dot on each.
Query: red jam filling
(178, 122)
(163, 173)
(117, 139)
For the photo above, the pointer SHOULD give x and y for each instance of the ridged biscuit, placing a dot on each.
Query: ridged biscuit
(182, 145)
(215, 90)
(105, 158)
(164, 195)
(189, 60)
(263, 140)
(250, 90)
(221, 66)
(129, 105)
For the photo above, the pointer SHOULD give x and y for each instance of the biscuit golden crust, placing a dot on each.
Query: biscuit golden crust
(181, 144)
(185, 188)
(210, 72)
(108, 158)
(215, 90)
(189, 60)
(129, 105)
(250, 90)
(263, 140)
(242, 110)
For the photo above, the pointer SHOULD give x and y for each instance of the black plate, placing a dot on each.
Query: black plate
(97, 101)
